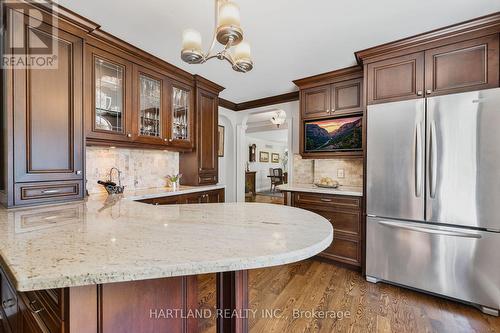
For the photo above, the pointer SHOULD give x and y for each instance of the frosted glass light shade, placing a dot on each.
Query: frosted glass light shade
(229, 14)
(242, 51)
(191, 40)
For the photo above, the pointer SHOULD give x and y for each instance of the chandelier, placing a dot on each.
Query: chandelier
(279, 118)
(227, 32)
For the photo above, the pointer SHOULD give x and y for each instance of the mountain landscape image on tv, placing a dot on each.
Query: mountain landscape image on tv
(333, 134)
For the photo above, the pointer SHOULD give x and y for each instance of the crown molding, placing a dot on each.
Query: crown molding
(257, 103)
(481, 26)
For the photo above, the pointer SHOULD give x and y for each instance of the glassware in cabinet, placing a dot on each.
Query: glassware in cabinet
(108, 96)
(150, 110)
(181, 114)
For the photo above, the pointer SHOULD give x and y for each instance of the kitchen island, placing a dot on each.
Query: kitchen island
(116, 265)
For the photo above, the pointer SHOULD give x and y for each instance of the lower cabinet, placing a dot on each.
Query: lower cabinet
(214, 196)
(344, 213)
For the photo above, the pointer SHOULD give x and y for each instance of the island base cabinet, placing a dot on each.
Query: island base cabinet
(167, 305)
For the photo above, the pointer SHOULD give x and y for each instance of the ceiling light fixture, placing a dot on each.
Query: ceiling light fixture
(228, 32)
(279, 118)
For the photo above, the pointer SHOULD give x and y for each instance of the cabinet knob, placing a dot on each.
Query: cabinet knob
(419, 93)
(327, 110)
(129, 135)
(170, 140)
(165, 139)
(78, 172)
(428, 92)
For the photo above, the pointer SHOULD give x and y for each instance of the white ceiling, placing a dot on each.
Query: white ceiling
(290, 39)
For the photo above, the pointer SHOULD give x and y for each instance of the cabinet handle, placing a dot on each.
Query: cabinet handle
(428, 92)
(79, 172)
(419, 93)
(8, 303)
(31, 306)
(170, 140)
(326, 200)
(50, 191)
(129, 135)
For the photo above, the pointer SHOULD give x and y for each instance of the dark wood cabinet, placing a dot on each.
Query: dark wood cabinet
(345, 214)
(347, 97)
(108, 96)
(9, 305)
(396, 79)
(150, 105)
(200, 167)
(316, 102)
(213, 196)
(332, 100)
(327, 96)
(464, 66)
(459, 58)
(44, 129)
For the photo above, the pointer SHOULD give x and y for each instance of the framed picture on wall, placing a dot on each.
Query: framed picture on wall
(264, 156)
(275, 158)
(221, 141)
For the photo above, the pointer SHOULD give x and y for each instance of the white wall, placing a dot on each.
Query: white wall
(271, 142)
(227, 164)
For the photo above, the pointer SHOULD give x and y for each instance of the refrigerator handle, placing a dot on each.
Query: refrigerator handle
(433, 160)
(433, 231)
(418, 159)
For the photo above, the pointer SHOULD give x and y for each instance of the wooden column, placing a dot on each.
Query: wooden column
(232, 298)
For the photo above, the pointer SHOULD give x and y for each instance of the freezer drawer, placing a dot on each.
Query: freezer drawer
(454, 262)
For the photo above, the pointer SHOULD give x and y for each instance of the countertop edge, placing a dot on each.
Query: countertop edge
(321, 190)
(178, 270)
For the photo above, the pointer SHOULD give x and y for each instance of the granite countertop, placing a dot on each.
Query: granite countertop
(115, 239)
(342, 190)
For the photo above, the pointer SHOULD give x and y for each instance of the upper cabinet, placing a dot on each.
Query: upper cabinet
(316, 102)
(150, 111)
(333, 99)
(181, 130)
(332, 108)
(459, 58)
(108, 96)
(200, 167)
(465, 66)
(396, 79)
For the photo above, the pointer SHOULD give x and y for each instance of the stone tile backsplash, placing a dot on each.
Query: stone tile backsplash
(306, 171)
(141, 169)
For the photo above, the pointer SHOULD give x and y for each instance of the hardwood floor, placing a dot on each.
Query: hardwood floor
(358, 306)
(266, 199)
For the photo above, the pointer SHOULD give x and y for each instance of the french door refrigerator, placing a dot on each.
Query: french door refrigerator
(433, 196)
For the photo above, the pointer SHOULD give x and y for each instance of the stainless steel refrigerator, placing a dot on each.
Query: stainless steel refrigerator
(433, 196)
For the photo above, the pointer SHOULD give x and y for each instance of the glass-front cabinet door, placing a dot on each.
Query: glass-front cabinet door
(181, 116)
(150, 124)
(110, 96)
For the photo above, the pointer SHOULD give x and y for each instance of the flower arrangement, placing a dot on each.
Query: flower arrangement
(174, 180)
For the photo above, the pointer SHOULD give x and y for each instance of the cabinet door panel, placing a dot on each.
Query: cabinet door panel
(48, 113)
(469, 65)
(347, 97)
(344, 249)
(150, 105)
(396, 79)
(316, 102)
(181, 118)
(207, 131)
(108, 96)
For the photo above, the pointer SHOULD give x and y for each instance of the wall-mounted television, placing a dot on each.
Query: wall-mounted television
(335, 134)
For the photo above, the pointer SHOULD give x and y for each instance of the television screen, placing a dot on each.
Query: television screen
(338, 134)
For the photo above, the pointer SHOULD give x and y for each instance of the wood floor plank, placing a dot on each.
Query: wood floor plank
(319, 286)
